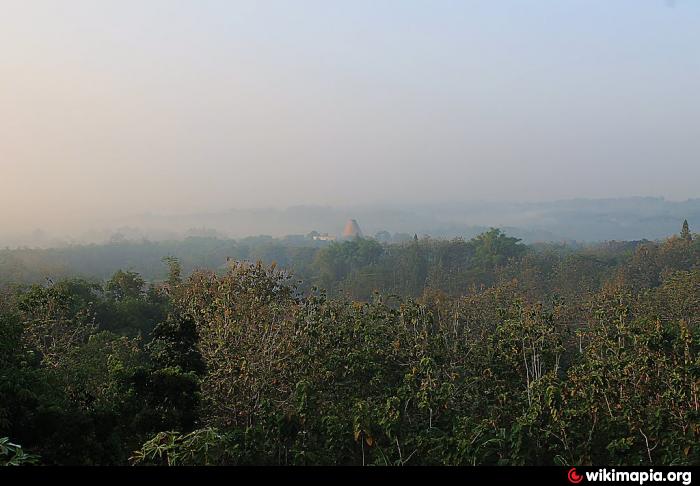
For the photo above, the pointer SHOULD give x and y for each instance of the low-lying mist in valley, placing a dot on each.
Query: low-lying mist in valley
(576, 220)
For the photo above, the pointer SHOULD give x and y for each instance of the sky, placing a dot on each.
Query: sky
(110, 108)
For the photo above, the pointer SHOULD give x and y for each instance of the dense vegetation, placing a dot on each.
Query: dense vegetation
(484, 351)
(353, 268)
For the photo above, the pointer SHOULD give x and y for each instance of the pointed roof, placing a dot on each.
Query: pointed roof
(352, 229)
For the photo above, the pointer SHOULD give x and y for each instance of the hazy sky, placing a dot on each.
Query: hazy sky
(132, 106)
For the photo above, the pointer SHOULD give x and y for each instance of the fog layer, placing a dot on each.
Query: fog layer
(112, 109)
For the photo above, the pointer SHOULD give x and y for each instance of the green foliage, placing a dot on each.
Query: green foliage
(685, 231)
(486, 352)
(125, 285)
(13, 454)
(206, 447)
(174, 271)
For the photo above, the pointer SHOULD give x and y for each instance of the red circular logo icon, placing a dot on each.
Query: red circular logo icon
(574, 477)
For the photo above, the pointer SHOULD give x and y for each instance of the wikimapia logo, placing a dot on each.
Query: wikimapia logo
(639, 477)
(574, 477)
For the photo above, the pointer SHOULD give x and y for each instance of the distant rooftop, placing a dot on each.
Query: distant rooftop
(352, 229)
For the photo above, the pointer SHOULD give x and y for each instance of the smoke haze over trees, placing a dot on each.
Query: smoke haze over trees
(109, 111)
(582, 220)
(485, 351)
(352, 232)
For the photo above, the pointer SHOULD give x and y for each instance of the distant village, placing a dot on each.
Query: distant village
(351, 230)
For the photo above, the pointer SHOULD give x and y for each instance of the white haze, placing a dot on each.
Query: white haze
(110, 110)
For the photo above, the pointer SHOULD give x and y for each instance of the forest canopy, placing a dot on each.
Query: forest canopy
(484, 351)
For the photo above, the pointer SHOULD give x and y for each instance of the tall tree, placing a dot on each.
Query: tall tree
(685, 231)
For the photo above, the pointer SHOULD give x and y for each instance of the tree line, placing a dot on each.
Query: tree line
(484, 351)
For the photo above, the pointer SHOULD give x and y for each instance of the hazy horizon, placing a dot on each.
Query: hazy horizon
(110, 109)
(571, 220)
